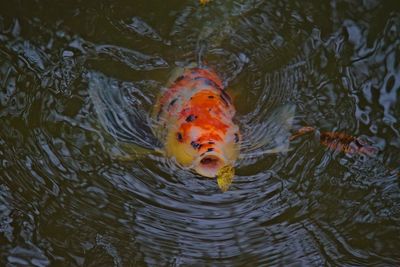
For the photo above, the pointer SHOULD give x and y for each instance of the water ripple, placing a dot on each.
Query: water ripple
(82, 183)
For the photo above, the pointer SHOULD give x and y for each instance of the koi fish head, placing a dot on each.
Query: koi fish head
(197, 119)
(203, 149)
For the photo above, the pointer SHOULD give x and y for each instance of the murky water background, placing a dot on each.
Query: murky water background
(72, 195)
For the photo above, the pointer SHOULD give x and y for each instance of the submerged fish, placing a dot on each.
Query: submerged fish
(339, 141)
(194, 117)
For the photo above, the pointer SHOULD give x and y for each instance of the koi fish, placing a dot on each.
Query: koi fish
(194, 117)
(192, 122)
(339, 141)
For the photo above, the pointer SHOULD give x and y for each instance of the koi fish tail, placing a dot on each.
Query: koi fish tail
(339, 141)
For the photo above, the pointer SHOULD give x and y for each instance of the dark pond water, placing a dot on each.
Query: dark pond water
(78, 190)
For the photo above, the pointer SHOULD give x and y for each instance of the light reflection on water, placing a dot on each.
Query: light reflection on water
(72, 194)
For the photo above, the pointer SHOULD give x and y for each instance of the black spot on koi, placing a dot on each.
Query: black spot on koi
(195, 145)
(191, 118)
(179, 137)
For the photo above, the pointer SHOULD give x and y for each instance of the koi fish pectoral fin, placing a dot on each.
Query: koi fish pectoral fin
(284, 148)
(131, 152)
(270, 136)
(117, 114)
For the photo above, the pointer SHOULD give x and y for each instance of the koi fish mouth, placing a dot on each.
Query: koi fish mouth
(209, 164)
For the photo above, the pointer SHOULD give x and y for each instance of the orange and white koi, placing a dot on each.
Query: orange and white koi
(194, 117)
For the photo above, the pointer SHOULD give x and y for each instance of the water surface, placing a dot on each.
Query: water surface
(79, 190)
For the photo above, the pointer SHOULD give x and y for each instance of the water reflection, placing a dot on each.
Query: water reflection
(70, 196)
